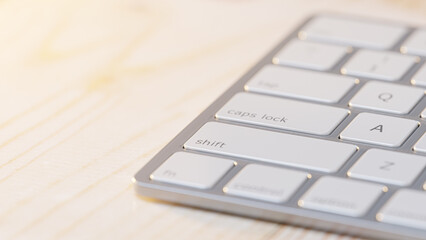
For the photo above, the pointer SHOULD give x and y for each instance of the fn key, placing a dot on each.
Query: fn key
(192, 170)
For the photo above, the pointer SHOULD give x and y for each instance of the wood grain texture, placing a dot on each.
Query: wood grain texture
(90, 90)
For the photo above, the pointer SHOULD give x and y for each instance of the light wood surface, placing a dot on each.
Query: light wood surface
(90, 90)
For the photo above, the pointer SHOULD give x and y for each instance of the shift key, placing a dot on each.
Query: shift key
(273, 147)
(282, 113)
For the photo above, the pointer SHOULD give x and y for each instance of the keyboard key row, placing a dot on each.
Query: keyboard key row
(357, 33)
(376, 165)
(383, 65)
(308, 85)
(383, 166)
(271, 184)
(322, 120)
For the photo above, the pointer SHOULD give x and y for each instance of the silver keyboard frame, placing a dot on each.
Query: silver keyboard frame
(288, 212)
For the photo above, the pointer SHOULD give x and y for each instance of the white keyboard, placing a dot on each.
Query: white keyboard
(327, 131)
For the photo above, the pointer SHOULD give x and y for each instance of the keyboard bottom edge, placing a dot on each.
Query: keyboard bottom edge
(216, 203)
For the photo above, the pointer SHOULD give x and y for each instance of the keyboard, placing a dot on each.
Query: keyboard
(327, 131)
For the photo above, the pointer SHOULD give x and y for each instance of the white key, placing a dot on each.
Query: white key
(406, 208)
(388, 167)
(282, 113)
(266, 183)
(387, 97)
(379, 129)
(273, 147)
(388, 66)
(416, 43)
(192, 170)
(421, 144)
(341, 196)
(353, 32)
(303, 84)
(317, 56)
(420, 77)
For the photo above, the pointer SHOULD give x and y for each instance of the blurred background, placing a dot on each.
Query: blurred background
(90, 90)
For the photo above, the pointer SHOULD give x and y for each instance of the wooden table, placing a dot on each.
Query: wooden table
(90, 90)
